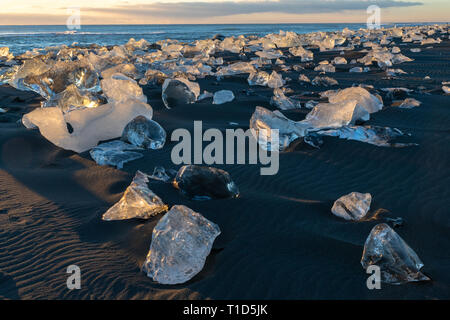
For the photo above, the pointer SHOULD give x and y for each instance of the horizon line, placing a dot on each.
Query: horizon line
(212, 24)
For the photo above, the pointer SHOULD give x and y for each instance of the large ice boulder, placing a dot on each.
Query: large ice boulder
(89, 126)
(181, 242)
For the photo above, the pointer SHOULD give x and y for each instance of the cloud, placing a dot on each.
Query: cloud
(192, 10)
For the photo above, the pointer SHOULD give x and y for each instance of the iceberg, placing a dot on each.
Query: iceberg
(115, 153)
(398, 263)
(138, 201)
(353, 206)
(181, 242)
(145, 133)
(204, 183)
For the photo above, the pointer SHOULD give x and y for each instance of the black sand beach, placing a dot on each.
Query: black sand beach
(279, 240)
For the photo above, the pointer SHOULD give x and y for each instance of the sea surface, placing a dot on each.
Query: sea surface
(22, 38)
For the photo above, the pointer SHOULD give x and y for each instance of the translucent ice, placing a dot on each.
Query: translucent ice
(335, 115)
(324, 81)
(31, 67)
(379, 136)
(353, 206)
(115, 153)
(236, 68)
(325, 68)
(304, 54)
(120, 87)
(223, 96)
(72, 98)
(397, 261)
(363, 98)
(409, 103)
(160, 174)
(144, 133)
(282, 102)
(202, 183)
(181, 241)
(179, 91)
(138, 201)
(264, 120)
(89, 125)
(275, 80)
(260, 78)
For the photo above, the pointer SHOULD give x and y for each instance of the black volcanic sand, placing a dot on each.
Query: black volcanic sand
(279, 239)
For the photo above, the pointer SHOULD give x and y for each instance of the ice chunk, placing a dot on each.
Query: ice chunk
(379, 136)
(303, 78)
(353, 206)
(325, 68)
(264, 120)
(282, 102)
(236, 68)
(409, 103)
(446, 89)
(120, 87)
(115, 153)
(181, 241)
(397, 261)
(304, 54)
(223, 96)
(339, 60)
(270, 54)
(160, 174)
(126, 69)
(324, 81)
(205, 95)
(356, 69)
(363, 98)
(89, 125)
(335, 115)
(179, 91)
(72, 98)
(31, 67)
(275, 80)
(202, 183)
(260, 78)
(6, 74)
(144, 133)
(60, 75)
(138, 201)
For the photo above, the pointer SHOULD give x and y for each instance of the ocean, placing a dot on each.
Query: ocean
(22, 38)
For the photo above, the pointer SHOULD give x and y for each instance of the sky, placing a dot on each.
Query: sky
(56, 12)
